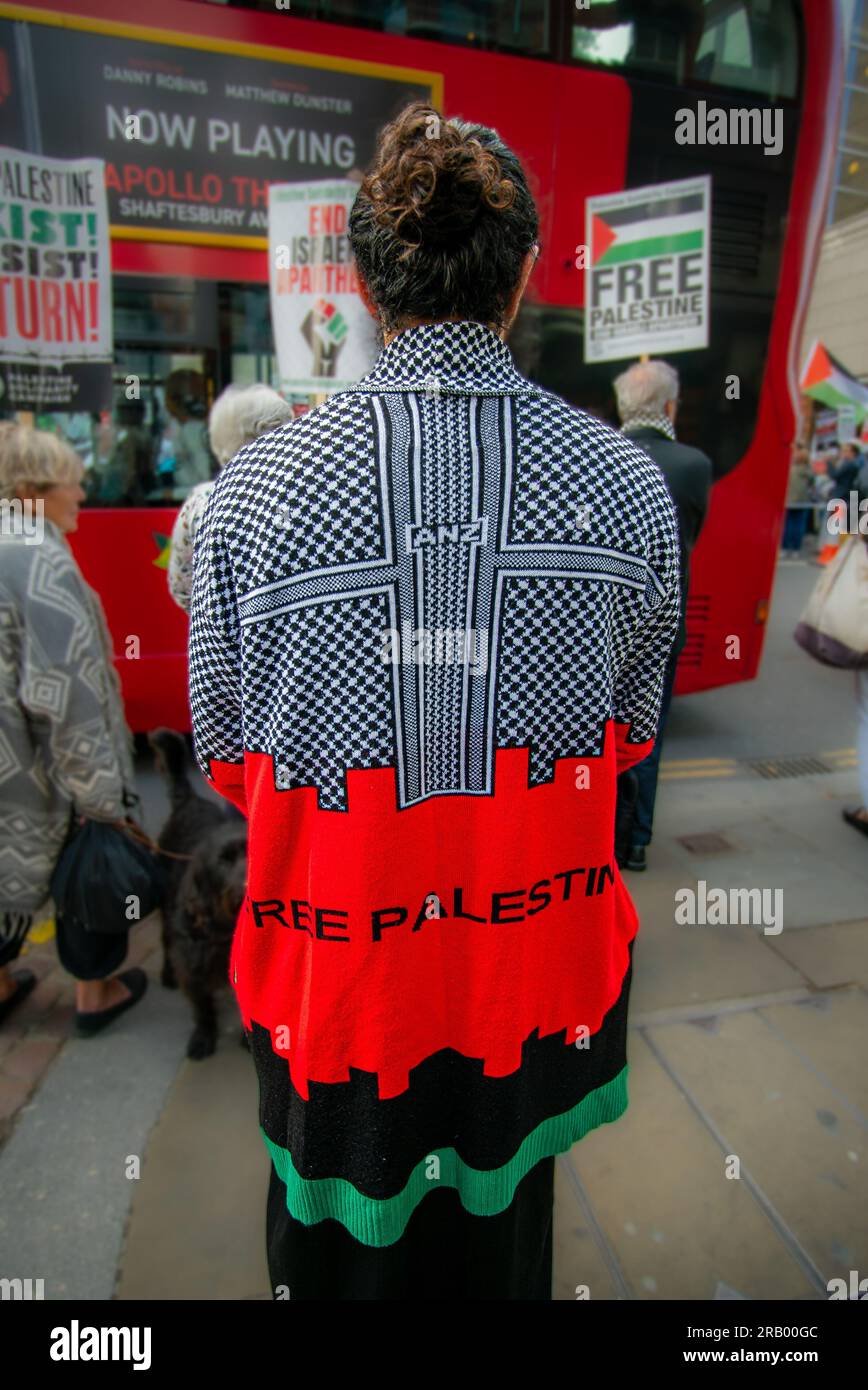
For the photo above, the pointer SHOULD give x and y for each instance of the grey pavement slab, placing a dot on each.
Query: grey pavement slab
(65, 1193)
(583, 1263)
(801, 1140)
(786, 834)
(828, 1032)
(829, 956)
(687, 966)
(197, 1225)
(668, 1219)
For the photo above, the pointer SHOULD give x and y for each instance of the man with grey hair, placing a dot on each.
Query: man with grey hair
(647, 397)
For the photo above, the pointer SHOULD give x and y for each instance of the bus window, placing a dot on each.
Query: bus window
(178, 343)
(547, 343)
(151, 448)
(743, 45)
(246, 338)
(518, 26)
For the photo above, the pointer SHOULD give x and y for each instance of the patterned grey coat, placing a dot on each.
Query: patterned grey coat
(63, 736)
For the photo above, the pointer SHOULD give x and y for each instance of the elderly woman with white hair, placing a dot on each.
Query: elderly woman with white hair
(239, 415)
(65, 746)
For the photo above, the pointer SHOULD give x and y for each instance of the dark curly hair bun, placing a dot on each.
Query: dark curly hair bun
(442, 221)
(433, 183)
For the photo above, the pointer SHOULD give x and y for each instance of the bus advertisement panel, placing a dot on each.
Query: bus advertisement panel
(192, 131)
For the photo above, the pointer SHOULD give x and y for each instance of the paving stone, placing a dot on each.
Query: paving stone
(579, 1262)
(667, 1215)
(30, 1059)
(832, 955)
(38, 1003)
(59, 1023)
(221, 1200)
(64, 1194)
(60, 977)
(788, 1102)
(13, 1093)
(11, 1035)
(35, 958)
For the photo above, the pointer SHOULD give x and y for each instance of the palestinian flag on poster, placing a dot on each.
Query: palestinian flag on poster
(330, 321)
(647, 270)
(661, 226)
(825, 379)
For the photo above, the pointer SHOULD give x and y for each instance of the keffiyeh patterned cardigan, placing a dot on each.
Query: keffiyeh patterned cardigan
(64, 741)
(433, 957)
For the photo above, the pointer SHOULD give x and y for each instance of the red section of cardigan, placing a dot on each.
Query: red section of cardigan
(373, 938)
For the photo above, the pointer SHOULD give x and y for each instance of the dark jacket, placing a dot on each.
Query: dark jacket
(688, 475)
(844, 477)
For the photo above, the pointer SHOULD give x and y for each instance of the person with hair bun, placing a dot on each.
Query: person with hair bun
(429, 627)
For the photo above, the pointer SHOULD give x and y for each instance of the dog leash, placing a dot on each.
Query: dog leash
(135, 832)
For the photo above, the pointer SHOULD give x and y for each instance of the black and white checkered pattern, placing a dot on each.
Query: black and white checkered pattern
(323, 535)
(461, 359)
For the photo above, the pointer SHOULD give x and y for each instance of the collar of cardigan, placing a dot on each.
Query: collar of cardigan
(461, 358)
(54, 531)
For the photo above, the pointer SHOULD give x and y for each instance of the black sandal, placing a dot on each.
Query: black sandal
(26, 981)
(136, 981)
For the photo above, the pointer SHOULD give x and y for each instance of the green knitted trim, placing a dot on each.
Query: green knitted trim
(483, 1192)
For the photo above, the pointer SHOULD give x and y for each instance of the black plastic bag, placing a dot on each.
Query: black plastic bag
(100, 871)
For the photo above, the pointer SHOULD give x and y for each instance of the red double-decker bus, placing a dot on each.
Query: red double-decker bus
(587, 95)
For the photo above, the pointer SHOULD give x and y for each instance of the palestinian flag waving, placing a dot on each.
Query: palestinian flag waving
(827, 380)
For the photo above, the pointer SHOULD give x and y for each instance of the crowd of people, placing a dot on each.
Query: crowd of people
(832, 476)
(145, 455)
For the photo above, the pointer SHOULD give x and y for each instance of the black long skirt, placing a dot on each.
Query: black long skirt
(445, 1253)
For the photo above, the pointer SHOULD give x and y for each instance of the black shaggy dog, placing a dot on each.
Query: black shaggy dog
(205, 890)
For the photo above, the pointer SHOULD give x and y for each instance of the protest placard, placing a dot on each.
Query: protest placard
(55, 284)
(324, 336)
(647, 270)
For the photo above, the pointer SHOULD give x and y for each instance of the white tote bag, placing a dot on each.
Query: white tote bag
(834, 625)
